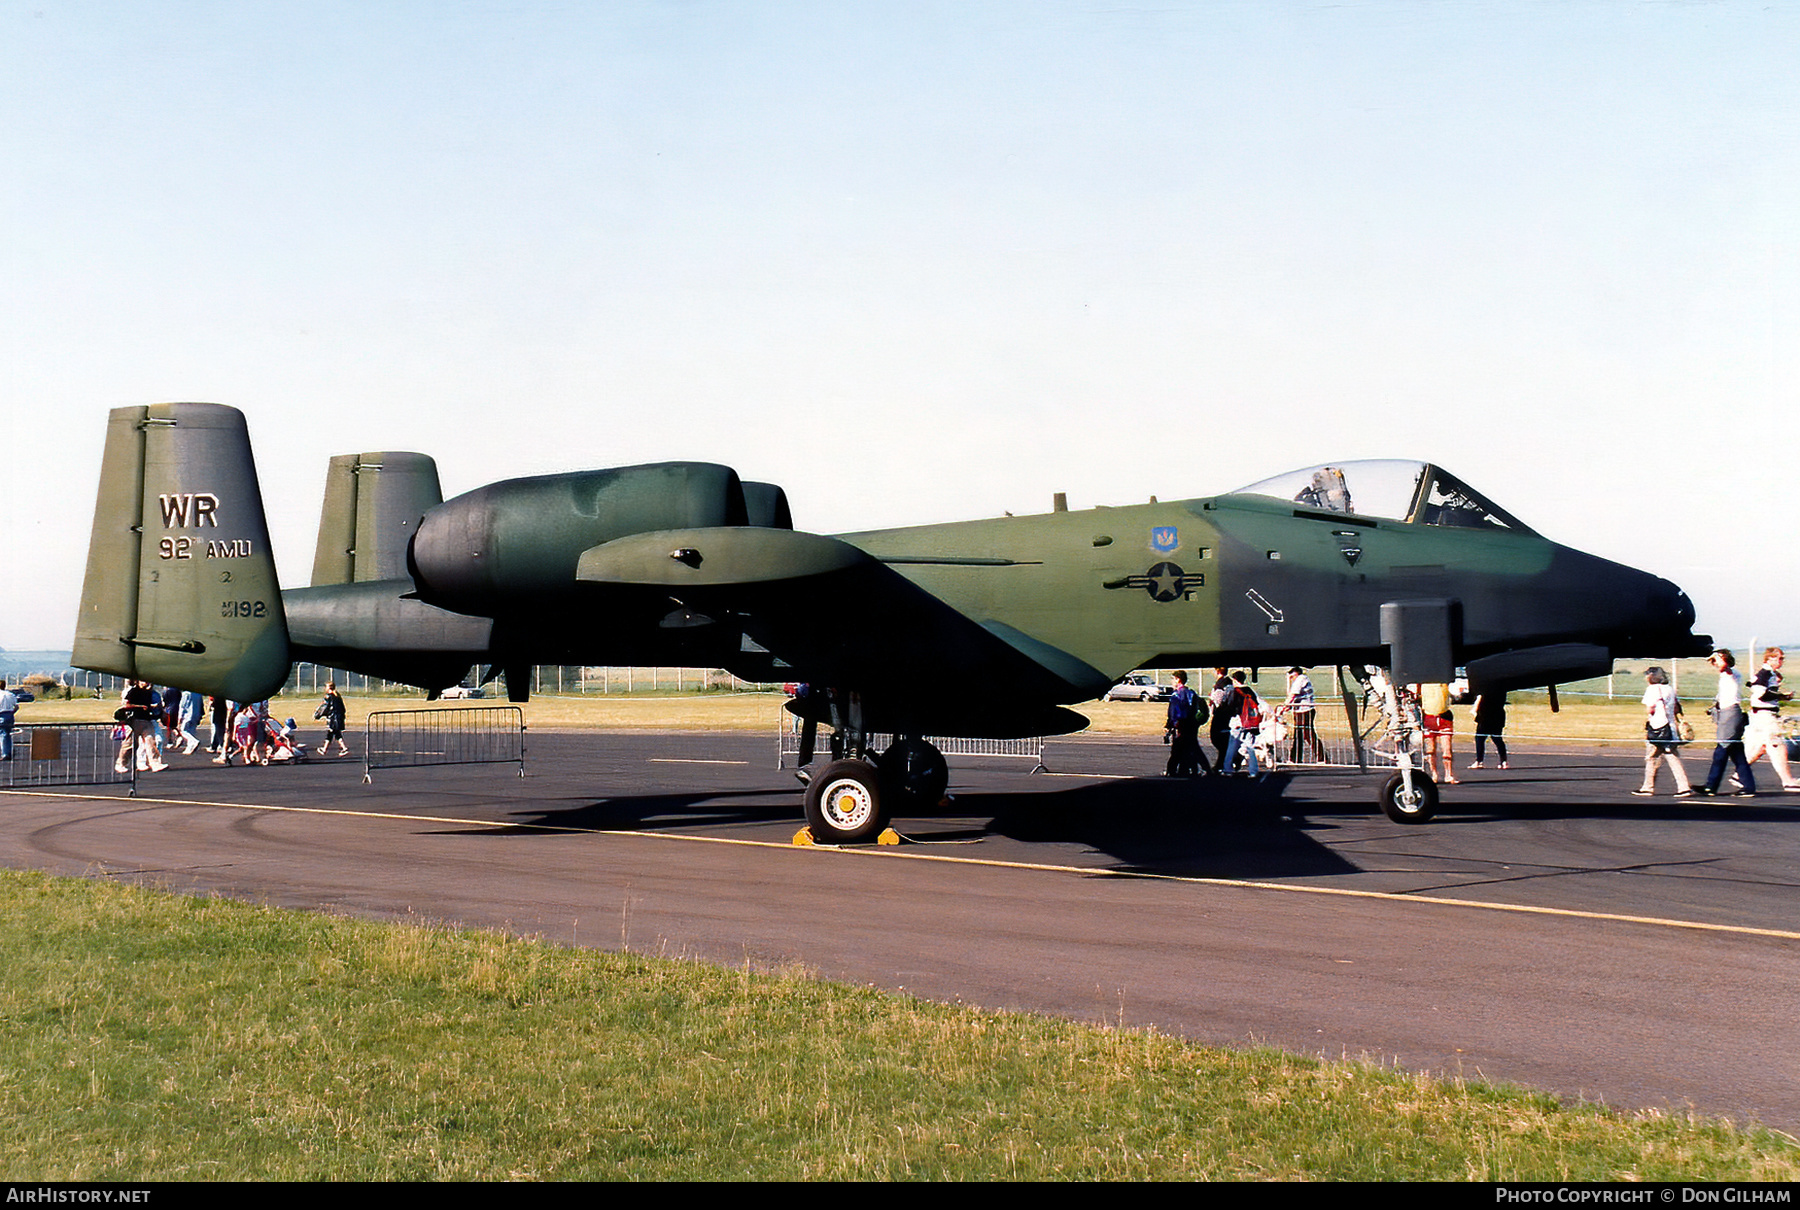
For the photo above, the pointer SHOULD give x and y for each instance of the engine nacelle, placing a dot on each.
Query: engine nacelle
(523, 536)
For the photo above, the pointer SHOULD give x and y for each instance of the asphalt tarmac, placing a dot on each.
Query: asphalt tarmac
(1548, 929)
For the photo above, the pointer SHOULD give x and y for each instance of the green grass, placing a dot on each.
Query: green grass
(150, 1036)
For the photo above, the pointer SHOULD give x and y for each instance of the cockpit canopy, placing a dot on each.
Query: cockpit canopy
(1393, 489)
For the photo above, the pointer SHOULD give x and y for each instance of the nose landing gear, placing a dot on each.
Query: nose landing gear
(1410, 795)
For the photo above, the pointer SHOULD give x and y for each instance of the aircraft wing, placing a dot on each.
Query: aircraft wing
(840, 616)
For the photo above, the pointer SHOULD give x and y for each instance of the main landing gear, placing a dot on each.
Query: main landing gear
(851, 799)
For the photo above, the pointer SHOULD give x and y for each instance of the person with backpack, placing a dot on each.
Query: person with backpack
(1187, 710)
(1246, 725)
(1224, 705)
(134, 718)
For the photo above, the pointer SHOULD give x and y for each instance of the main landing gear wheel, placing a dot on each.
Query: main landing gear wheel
(915, 771)
(843, 803)
(1418, 806)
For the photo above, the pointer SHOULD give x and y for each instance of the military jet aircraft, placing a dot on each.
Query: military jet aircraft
(982, 628)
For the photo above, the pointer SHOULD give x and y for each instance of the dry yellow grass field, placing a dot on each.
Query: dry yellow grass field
(1529, 717)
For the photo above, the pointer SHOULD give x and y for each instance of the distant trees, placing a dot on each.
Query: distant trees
(45, 687)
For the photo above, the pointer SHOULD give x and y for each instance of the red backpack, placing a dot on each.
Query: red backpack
(1250, 713)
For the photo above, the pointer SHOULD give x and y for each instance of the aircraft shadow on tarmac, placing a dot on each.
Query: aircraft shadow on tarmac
(1197, 827)
(653, 812)
(1274, 827)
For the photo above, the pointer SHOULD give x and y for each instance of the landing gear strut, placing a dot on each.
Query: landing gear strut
(844, 799)
(1410, 795)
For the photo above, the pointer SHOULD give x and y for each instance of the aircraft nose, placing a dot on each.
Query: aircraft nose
(1667, 621)
(1673, 604)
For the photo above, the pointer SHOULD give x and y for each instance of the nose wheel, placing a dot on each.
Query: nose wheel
(1410, 797)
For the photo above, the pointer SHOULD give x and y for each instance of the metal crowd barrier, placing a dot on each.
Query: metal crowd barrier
(66, 754)
(1336, 740)
(787, 745)
(463, 735)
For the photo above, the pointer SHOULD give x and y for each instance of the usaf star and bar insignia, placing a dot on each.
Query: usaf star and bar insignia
(1165, 581)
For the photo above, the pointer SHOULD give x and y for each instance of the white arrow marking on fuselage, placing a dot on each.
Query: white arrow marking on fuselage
(1257, 599)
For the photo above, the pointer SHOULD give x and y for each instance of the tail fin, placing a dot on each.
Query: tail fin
(181, 586)
(766, 505)
(373, 503)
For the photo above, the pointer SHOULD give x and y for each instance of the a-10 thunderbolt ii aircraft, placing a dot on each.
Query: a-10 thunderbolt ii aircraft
(987, 628)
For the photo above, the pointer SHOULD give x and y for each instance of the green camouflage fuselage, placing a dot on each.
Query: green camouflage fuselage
(984, 627)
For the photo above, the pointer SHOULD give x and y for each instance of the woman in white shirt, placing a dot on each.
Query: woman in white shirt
(1728, 719)
(1662, 734)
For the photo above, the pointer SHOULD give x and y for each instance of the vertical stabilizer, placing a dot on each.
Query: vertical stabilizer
(373, 503)
(180, 586)
(766, 505)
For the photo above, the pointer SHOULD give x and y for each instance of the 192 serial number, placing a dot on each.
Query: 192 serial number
(243, 609)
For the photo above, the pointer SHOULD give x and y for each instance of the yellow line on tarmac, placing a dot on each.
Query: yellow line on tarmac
(1044, 867)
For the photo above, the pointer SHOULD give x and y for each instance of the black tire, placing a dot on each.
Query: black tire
(915, 771)
(843, 803)
(1419, 808)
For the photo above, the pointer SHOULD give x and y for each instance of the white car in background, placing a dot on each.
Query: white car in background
(464, 691)
(1139, 687)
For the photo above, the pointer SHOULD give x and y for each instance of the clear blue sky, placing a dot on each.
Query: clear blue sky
(921, 262)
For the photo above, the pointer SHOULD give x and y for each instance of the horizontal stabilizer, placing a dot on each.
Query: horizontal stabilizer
(376, 628)
(379, 615)
(180, 587)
